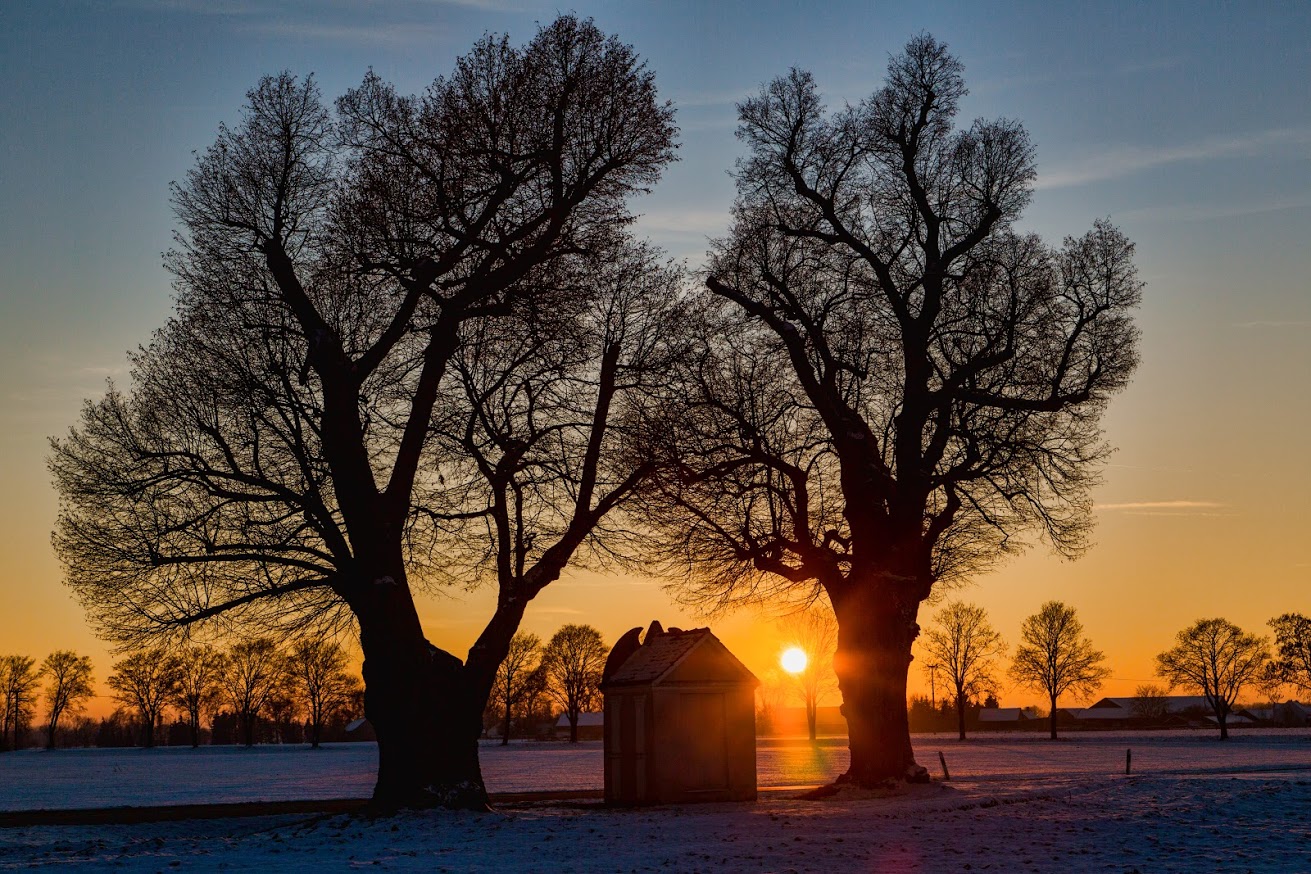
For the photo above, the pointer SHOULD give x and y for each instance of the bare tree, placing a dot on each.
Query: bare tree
(146, 681)
(19, 680)
(1216, 658)
(276, 465)
(1293, 648)
(1055, 658)
(815, 631)
(252, 670)
(1151, 702)
(68, 686)
(1270, 683)
(196, 690)
(915, 383)
(515, 675)
(318, 668)
(573, 660)
(965, 647)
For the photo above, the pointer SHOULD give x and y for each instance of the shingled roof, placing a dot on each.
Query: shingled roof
(662, 652)
(658, 656)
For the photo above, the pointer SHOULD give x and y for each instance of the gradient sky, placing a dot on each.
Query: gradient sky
(1188, 124)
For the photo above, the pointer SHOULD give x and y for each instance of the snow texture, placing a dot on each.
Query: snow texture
(1014, 804)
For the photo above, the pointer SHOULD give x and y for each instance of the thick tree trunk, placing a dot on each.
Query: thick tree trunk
(420, 704)
(960, 714)
(875, 633)
(1052, 718)
(812, 712)
(573, 727)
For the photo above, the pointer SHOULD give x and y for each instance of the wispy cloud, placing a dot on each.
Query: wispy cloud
(1275, 323)
(380, 34)
(696, 222)
(1127, 160)
(1208, 211)
(1162, 505)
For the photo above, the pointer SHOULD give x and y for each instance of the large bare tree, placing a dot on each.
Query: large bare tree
(895, 383)
(1217, 659)
(279, 460)
(964, 645)
(1055, 658)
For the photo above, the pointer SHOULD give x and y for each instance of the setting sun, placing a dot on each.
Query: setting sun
(793, 660)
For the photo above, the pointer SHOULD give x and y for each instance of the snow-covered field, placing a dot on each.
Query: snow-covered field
(1014, 804)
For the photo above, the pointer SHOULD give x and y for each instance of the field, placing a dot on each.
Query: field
(1013, 803)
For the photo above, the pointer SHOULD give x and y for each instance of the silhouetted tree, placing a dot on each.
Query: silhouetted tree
(196, 690)
(514, 675)
(1055, 658)
(895, 383)
(1293, 648)
(252, 670)
(318, 668)
(573, 660)
(146, 681)
(965, 647)
(68, 685)
(1216, 658)
(815, 631)
(275, 463)
(19, 680)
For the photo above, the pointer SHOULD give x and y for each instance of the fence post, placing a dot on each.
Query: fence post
(1128, 761)
(946, 775)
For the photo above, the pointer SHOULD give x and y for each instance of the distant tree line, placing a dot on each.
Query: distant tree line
(1212, 658)
(253, 691)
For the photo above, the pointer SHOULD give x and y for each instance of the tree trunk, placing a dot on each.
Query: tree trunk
(875, 633)
(812, 713)
(1224, 725)
(1052, 717)
(960, 714)
(573, 727)
(420, 704)
(50, 735)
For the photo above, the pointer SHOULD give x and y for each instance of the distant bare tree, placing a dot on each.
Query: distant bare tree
(1270, 683)
(318, 668)
(965, 647)
(514, 675)
(573, 660)
(1293, 648)
(815, 631)
(1217, 659)
(19, 680)
(1151, 702)
(251, 672)
(68, 686)
(199, 669)
(1055, 658)
(146, 681)
(896, 382)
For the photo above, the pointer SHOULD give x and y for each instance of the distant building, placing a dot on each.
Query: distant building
(1000, 718)
(1168, 711)
(590, 726)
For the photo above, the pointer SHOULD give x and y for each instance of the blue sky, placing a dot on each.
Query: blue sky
(1189, 124)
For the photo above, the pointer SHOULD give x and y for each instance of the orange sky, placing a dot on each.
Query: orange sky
(1192, 136)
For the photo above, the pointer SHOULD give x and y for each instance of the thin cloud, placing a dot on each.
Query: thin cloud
(1162, 505)
(382, 34)
(1128, 160)
(1206, 212)
(1275, 323)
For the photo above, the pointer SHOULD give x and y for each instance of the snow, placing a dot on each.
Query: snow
(1015, 803)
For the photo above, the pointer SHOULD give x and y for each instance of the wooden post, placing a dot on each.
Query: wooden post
(943, 759)
(1128, 761)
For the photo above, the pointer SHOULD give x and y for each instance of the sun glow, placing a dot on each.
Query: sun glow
(793, 660)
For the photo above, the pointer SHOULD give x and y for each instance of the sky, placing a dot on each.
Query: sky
(1187, 124)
